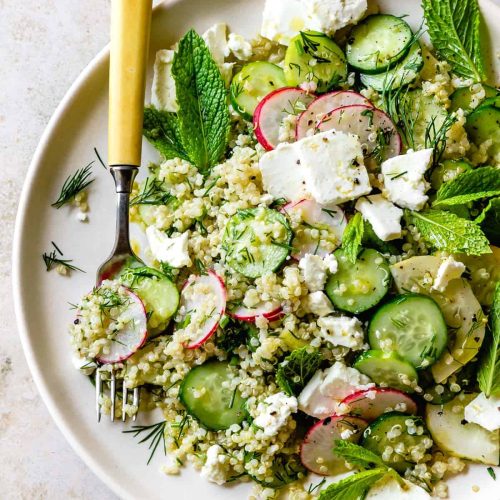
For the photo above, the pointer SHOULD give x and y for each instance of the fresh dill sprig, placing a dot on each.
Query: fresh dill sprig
(435, 137)
(53, 258)
(153, 193)
(74, 184)
(155, 433)
(100, 159)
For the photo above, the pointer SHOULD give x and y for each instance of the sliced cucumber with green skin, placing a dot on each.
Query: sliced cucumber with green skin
(424, 111)
(252, 84)
(393, 429)
(314, 57)
(454, 435)
(448, 170)
(411, 325)
(378, 43)
(257, 241)
(158, 294)
(462, 97)
(387, 369)
(358, 287)
(483, 124)
(403, 73)
(206, 399)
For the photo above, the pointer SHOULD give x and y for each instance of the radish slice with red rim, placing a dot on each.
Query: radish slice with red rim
(376, 131)
(316, 216)
(371, 403)
(132, 335)
(202, 305)
(269, 310)
(323, 105)
(272, 111)
(316, 452)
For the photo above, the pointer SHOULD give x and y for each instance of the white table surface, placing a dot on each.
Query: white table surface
(44, 45)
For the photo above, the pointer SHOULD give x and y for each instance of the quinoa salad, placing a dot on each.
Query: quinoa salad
(317, 285)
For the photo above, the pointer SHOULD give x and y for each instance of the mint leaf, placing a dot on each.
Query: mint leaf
(488, 374)
(201, 94)
(353, 487)
(161, 129)
(483, 182)
(454, 28)
(450, 233)
(489, 219)
(296, 369)
(357, 455)
(352, 237)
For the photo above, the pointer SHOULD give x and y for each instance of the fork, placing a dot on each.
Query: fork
(130, 25)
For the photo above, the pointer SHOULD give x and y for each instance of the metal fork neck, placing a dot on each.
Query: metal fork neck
(124, 176)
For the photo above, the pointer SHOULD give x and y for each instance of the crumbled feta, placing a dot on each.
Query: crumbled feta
(318, 303)
(384, 216)
(320, 398)
(342, 330)
(163, 93)
(449, 270)
(273, 412)
(282, 176)
(82, 216)
(240, 48)
(314, 271)
(173, 251)
(388, 488)
(216, 40)
(329, 16)
(214, 468)
(331, 263)
(86, 365)
(283, 19)
(404, 179)
(484, 412)
(333, 167)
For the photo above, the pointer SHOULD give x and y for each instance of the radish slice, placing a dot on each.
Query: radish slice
(329, 217)
(367, 123)
(269, 310)
(323, 105)
(371, 403)
(202, 305)
(273, 109)
(316, 452)
(133, 334)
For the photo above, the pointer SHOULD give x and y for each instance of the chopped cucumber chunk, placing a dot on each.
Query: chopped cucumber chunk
(205, 398)
(411, 325)
(358, 287)
(462, 98)
(314, 57)
(257, 241)
(447, 171)
(484, 124)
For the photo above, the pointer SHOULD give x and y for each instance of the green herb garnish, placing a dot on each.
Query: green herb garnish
(297, 369)
(352, 237)
(74, 184)
(53, 258)
(155, 433)
(153, 192)
(353, 487)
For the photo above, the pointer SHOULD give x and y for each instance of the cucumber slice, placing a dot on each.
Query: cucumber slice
(403, 73)
(206, 399)
(387, 369)
(407, 435)
(256, 241)
(462, 97)
(358, 287)
(252, 84)
(378, 43)
(314, 57)
(158, 294)
(424, 111)
(454, 435)
(411, 325)
(483, 124)
(447, 171)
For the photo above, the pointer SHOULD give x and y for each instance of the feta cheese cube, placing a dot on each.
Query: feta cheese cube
(329, 16)
(484, 412)
(173, 251)
(318, 303)
(314, 271)
(216, 40)
(283, 19)
(342, 331)
(384, 216)
(273, 412)
(333, 167)
(240, 48)
(163, 93)
(312, 402)
(282, 175)
(214, 469)
(449, 270)
(341, 381)
(388, 488)
(404, 179)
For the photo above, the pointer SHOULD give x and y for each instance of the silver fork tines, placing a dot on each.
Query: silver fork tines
(99, 392)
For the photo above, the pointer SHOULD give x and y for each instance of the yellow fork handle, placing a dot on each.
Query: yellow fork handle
(130, 24)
